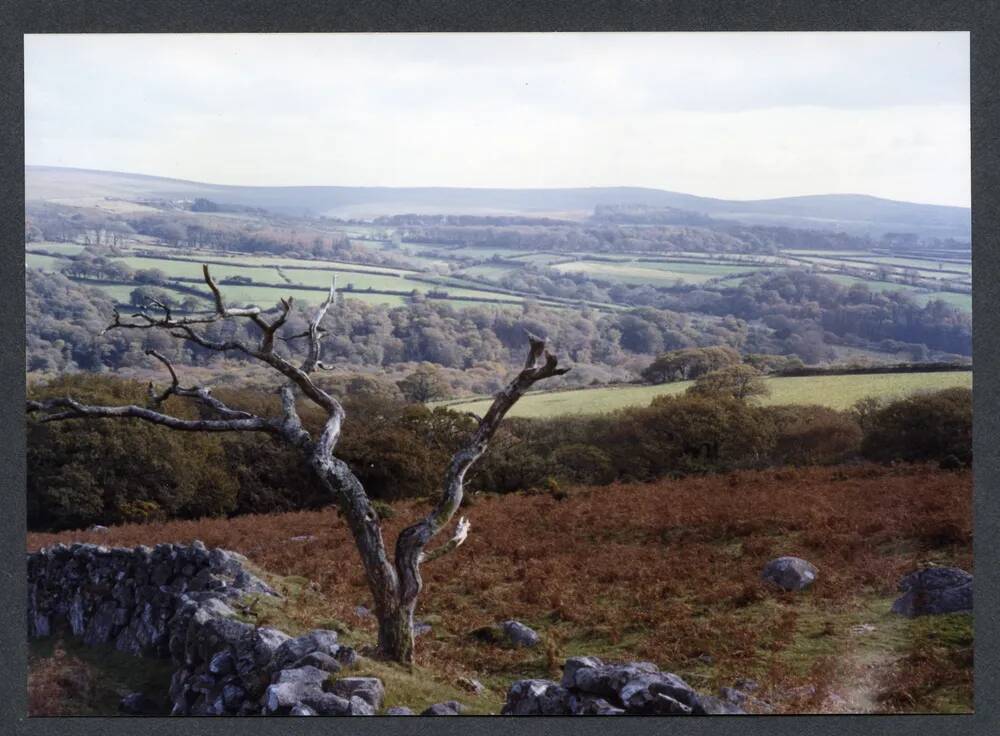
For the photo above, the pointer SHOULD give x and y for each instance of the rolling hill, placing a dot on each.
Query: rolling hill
(847, 212)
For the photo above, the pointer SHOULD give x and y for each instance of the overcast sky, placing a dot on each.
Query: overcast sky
(740, 115)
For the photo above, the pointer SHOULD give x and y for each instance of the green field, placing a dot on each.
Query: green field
(653, 273)
(67, 249)
(838, 392)
(122, 293)
(922, 264)
(492, 272)
(962, 301)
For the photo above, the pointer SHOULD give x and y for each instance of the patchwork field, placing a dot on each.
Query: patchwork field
(666, 572)
(837, 392)
(270, 273)
(473, 267)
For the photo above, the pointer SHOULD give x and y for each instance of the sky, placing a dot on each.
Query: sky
(730, 115)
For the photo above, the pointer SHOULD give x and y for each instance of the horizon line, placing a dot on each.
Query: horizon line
(487, 188)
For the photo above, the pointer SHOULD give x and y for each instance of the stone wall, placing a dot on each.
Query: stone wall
(172, 601)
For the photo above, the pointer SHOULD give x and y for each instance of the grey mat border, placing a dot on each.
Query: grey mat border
(65, 16)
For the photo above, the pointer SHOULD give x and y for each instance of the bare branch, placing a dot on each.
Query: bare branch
(75, 410)
(220, 306)
(267, 342)
(157, 400)
(539, 365)
(315, 334)
(291, 425)
(461, 532)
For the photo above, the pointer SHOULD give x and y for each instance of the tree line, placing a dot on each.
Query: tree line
(397, 449)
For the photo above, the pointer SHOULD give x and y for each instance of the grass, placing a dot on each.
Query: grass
(67, 678)
(935, 675)
(68, 249)
(43, 263)
(654, 274)
(666, 572)
(962, 301)
(922, 264)
(837, 392)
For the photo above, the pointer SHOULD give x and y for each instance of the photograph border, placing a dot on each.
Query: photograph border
(118, 16)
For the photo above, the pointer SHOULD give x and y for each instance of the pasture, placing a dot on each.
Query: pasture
(836, 392)
(649, 272)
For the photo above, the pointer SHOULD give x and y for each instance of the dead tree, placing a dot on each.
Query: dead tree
(395, 582)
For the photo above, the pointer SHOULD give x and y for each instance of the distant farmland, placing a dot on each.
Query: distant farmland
(837, 392)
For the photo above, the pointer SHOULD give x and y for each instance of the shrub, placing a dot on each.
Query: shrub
(740, 382)
(585, 464)
(809, 435)
(924, 427)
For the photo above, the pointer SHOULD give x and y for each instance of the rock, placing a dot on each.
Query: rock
(935, 578)
(267, 641)
(399, 710)
(302, 538)
(369, 689)
(233, 696)
(732, 695)
(292, 650)
(280, 698)
(140, 704)
(664, 705)
(473, 686)
(362, 611)
(449, 708)
(326, 704)
(789, 573)
(222, 663)
(537, 698)
(319, 660)
(301, 710)
(575, 663)
(360, 707)
(216, 608)
(589, 706)
(933, 591)
(101, 530)
(641, 693)
(607, 680)
(305, 675)
(519, 635)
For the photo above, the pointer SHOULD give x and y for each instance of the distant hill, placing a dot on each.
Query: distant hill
(853, 213)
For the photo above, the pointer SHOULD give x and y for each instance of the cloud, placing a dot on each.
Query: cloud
(733, 115)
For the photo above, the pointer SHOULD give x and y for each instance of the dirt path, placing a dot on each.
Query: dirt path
(871, 652)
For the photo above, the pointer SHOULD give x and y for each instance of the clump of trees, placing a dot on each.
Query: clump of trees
(934, 426)
(424, 384)
(689, 363)
(740, 382)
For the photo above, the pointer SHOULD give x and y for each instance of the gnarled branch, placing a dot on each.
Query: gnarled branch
(201, 394)
(72, 409)
(314, 333)
(539, 365)
(461, 532)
